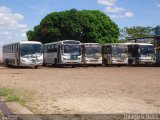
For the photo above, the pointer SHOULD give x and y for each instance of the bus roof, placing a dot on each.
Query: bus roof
(24, 42)
(91, 44)
(116, 44)
(28, 42)
(140, 44)
(62, 42)
(129, 43)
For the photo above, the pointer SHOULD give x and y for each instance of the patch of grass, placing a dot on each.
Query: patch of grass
(11, 95)
(5, 92)
(13, 98)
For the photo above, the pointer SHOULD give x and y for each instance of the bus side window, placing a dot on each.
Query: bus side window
(11, 48)
(107, 50)
(48, 49)
(16, 48)
(52, 48)
(44, 49)
(55, 48)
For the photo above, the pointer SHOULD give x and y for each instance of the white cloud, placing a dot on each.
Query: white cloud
(4, 33)
(112, 8)
(107, 2)
(116, 16)
(126, 15)
(23, 34)
(10, 25)
(5, 9)
(129, 14)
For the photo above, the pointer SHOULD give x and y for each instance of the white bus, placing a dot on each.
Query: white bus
(91, 53)
(116, 54)
(24, 53)
(66, 52)
(141, 53)
(128, 54)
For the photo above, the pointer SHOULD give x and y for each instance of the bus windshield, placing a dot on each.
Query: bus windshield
(146, 50)
(119, 51)
(33, 50)
(72, 49)
(93, 51)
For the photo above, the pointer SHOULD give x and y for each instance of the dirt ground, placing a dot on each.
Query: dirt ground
(87, 89)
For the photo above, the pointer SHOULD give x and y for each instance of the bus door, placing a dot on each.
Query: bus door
(83, 53)
(59, 53)
(136, 53)
(106, 54)
(17, 53)
(133, 54)
(130, 54)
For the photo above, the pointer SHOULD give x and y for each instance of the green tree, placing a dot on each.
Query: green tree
(84, 25)
(30, 35)
(136, 32)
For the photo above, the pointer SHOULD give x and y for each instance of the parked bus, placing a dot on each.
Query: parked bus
(91, 53)
(115, 54)
(128, 54)
(66, 52)
(141, 53)
(24, 53)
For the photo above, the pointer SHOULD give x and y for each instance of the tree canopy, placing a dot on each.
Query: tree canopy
(85, 26)
(136, 32)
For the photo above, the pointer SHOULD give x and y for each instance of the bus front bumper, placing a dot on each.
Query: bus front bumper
(31, 64)
(71, 62)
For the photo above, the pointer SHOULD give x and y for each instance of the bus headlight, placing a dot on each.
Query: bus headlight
(23, 60)
(64, 58)
(79, 58)
(39, 60)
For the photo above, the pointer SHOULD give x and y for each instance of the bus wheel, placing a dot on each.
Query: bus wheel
(55, 62)
(73, 66)
(7, 63)
(105, 62)
(44, 64)
(36, 67)
(130, 62)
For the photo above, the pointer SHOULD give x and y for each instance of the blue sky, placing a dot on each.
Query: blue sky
(18, 16)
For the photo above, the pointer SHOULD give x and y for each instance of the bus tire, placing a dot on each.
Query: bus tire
(55, 63)
(36, 67)
(17, 63)
(105, 62)
(7, 63)
(130, 62)
(44, 64)
(73, 66)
